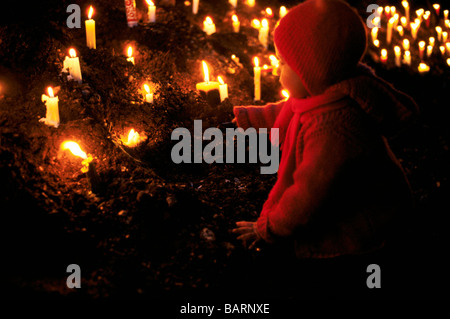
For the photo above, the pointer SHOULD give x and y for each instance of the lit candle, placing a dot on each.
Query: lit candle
(376, 43)
(426, 16)
(447, 45)
(405, 5)
(374, 33)
(439, 33)
(235, 59)
(283, 11)
(404, 22)
(236, 23)
(396, 18)
(130, 8)
(256, 24)
(376, 21)
(384, 56)
(421, 48)
(444, 36)
(285, 94)
(442, 49)
(448, 61)
(76, 150)
(389, 30)
(72, 63)
(251, 3)
(269, 12)
(400, 30)
(393, 9)
(257, 79)
(398, 54)
(406, 44)
(407, 58)
(447, 23)
(90, 30)
(208, 26)
(264, 33)
(429, 50)
(51, 102)
(151, 11)
(445, 14)
(148, 95)
(133, 138)
(195, 6)
(209, 90)
(423, 67)
(130, 55)
(223, 89)
(275, 64)
(414, 29)
(437, 8)
(233, 3)
(432, 41)
(387, 11)
(420, 13)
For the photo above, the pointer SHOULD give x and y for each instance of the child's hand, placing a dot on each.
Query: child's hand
(247, 233)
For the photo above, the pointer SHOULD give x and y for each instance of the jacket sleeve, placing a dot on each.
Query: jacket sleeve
(324, 154)
(257, 116)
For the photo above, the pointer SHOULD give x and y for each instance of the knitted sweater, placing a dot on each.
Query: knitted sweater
(340, 189)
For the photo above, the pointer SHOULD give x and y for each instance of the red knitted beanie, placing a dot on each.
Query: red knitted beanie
(322, 41)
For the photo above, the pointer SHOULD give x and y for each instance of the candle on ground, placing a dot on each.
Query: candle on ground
(387, 12)
(407, 58)
(148, 95)
(251, 3)
(439, 33)
(269, 13)
(235, 59)
(437, 8)
(264, 33)
(404, 22)
(76, 150)
(151, 11)
(444, 36)
(421, 49)
(420, 13)
(257, 79)
(208, 26)
(72, 63)
(52, 114)
(283, 11)
(423, 67)
(236, 23)
(209, 90)
(130, 55)
(90, 30)
(398, 54)
(223, 89)
(195, 6)
(130, 8)
(406, 44)
(384, 56)
(405, 5)
(256, 24)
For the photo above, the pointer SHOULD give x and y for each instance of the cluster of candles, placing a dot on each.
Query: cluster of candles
(409, 38)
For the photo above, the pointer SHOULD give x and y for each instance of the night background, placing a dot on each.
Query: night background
(142, 227)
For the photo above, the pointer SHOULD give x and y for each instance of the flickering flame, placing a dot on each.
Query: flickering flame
(406, 44)
(422, 45)
(265, 23)
(376, 21)
(397, 50)
(423, 67)
(74, 148)
(432, 40)
(442, 49)
(91, 12)
(400, 29)
(130, 51)
(219, 78)
(405, 4)
(265, 67)
(209, 21)
(205, 71)
(150, 2)
(448, 61)
(376, 43)
(419, 12)
(234, 18)
(50, 91)
(256, 61)
(133, 138)
(426, 15)
(285, 93)
(256, 23)
(146, 88)
(273, 58)
(403, 21)
(384, 54)
(436, 6)
(387, 9)
(72, 53)
(283, 11)
(269, 11)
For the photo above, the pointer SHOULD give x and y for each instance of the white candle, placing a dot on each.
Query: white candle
(275, 64)
(389, 30)
(384, 56)
(414, 29)
(264, 33)
(90, 30)
(283, 11)
(432, 41)
(72, 63)
(405, 4)
(398, 54)
(374, 33)
(445, 14)
(130, 55)
(208, 26)
(442, 49)
(151, 11)
(407, 58)
(429, 50)
(404, 22)
(195, 6)
(421, 49)
(52, 115)
(233, 3)
(444, 36)
(285, 94)
(148, 95)
(269, 12)
(400, 30)
(257, 79)
(439, 33)
(447, 45)
(236, 23)
(223, 89)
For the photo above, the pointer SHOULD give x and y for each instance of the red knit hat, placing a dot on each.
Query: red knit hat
(322, 41)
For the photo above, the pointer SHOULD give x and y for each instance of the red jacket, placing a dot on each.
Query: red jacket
(340, 189)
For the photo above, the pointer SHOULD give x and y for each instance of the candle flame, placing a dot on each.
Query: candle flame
(50, 91)
(384, 53)
(285, 93)
(219, 78)
(265, 23)
(405, 4)
(448, 61)
(436, 6)
(423, 67)
(133, 139)
(150, 2)
(397, 50)
(256, 23)
(422, 44)
(130, 51)
(146, 88)
(205, 71)
(72, 53)
(376, 43)
(74, 148)
(234, 18)
(209, 21)
(256, 61)
(273, 58)
(91, 12)
(419, 12)
(269, 11)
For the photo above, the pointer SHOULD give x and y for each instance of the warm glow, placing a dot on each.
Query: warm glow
(74, 148)
(234, 18)
(256, 23)
(387, 9)
(442, 49)
(219, 78)
(376, 21)
(72, 53)
(436, 6)
(419, 12)
(146, 88)
(384, 53)
(403, 21)
(448, 47)
(91, 12)
(256, 61)
(205, 71)
(209, 21)
(133, 139)
(283, 11)
(265, 23)
(150, 2)
(438, 29)
(265, 67)
(269, 11)
(285, 93)
(397, 50)
(130, 52)
(422, 45)
(392, 21)
(393, 9)
(432, 40)
(273, 58)
(448, 61)
(400, 30)
(405, 4)
(406, 44)
(50, 91)
(376, 43)
(423, 67)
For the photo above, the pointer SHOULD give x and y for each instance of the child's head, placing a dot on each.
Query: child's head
(321, 41)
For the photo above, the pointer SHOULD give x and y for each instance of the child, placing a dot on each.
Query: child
(340, 190)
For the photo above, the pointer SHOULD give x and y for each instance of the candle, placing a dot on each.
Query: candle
(275, 64)
(235, 59)
(387, 11)
(209, 90)
(51, 102)
(405, 5)
(130, 55)
(437, 8)
(432, 41)
(414, 29)
(285, 94)
(447, 45)
(374, 33)
(448, 61)
(396, 18)
(269, 12)
(400, 30)
(223, 89)
(76, 150)
(419, 13)
(404, 22)
(236, 23)
(376, 43)
(439, 33)
(444, 36)
(389, 30)
(90, 30)
(133, 138)
(130, 8)
(256, 24)
(251, 3)
(148, 95)
(421, 48)
(398, 54)
(233, 3)
(283, 11)
(429, 50)
(208, 26)
(264, 33)
(393, 9)
(442, 49)
(426, 16)
(423, 67)
(406, 44)
(445, 14)
(407, 58)
(195, 6)
(376, 21)
(447, 23)
(151, 11)
(72, 63)
(384, 56)
(257, 79)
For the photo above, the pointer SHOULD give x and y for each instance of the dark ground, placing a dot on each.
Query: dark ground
(144, 233)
